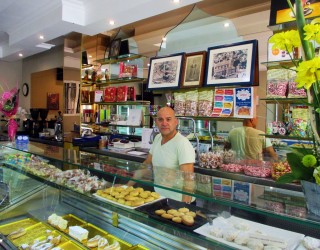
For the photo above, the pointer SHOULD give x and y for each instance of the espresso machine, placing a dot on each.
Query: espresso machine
(35, 125)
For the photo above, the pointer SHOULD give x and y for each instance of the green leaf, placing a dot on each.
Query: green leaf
(286, 178)
(299, 171)
(318, 110)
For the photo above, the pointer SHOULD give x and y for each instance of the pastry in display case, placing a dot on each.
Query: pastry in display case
(59, 214)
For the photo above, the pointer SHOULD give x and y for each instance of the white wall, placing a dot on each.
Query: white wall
(10, 75)
(50, 59)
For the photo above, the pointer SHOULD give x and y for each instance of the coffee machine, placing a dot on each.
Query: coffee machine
(33, 126)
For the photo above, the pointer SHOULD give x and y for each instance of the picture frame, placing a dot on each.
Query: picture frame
(114, 48)
(233, 64)
(193, 69)
(53, 101)
(165, 72)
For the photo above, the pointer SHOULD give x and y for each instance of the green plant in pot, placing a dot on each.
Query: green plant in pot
(305, 163)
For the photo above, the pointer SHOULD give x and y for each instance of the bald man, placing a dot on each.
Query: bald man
(172, 157)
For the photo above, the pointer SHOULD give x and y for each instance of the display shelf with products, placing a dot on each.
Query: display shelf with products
(139, 222)
(103, 109)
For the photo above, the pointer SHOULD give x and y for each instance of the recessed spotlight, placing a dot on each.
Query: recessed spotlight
(176, 1)
(226, 25)
(41, 37)
(20, 54)
(111, 22)
(90, 56)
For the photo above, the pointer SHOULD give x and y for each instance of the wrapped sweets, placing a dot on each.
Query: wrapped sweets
(231, 167)
(257, 171)
(277, 82)
(205, 99)
(192, 103)
(179, 103)
(211, 159)
(277, 89)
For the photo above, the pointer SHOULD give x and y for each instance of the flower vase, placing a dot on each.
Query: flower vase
(312, 195)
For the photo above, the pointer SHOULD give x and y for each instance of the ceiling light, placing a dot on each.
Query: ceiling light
(176, 1)
(20, 54)
(45, 45)
(111, 22)
(90, 56)
(41, 37)
(226, 25)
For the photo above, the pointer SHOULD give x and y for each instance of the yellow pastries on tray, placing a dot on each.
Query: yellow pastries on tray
(128, 196)
(182, 215)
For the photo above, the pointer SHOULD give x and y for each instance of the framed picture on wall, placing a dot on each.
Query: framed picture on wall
(233, 64)
(193, 69)
(114, 48)
(53, 101)
(165, 72)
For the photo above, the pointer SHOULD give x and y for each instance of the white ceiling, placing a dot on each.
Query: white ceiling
(23, 21)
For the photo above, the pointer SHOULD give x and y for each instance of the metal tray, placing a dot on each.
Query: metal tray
(167, 204)
(13, 226)
(139, 247)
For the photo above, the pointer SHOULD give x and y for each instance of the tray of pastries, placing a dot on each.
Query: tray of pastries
(128, 197)
(87, 234)
(174, 212)
(31, 234)
(245, 234)
(8, 228)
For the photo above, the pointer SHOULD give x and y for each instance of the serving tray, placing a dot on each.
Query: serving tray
(167, 204)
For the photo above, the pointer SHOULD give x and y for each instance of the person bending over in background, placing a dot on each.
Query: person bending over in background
(248, 142)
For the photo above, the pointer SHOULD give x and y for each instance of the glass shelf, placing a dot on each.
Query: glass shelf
(125, 103)
(231, 119)
(285, 100)
(122, 58)
(105, 124)
(88, 83)
(277, 64)
(288, 137)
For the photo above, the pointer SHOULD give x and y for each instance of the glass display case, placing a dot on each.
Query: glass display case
(81, 188)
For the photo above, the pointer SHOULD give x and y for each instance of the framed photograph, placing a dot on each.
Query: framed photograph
(165, 72)
(53, 101)
(114, 48)
(233, 64)
(193, 69)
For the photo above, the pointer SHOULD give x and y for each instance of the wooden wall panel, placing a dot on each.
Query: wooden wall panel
(42, 83)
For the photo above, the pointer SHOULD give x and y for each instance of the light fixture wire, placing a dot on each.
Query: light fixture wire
(194, 5)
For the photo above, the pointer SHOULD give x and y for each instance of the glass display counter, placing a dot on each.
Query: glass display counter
(87, 187)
